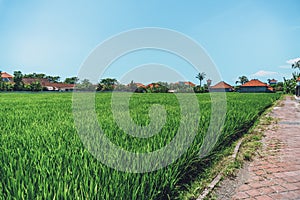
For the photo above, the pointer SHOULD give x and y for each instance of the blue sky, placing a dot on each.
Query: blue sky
(254, 38)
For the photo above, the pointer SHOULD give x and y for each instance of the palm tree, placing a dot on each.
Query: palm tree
(242, 80)
(201, 77)
(296, 65)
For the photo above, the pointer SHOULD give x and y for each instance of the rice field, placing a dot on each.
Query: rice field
(43, 157)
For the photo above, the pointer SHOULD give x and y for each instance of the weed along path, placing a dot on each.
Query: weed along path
(274, 173)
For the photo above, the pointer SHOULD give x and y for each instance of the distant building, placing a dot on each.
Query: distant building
(255, 85)
(153, 85)
(171, 91)
(272, 81)
(136, 85)
(188, 83)
(60, 86)
(6, 77)
(208, 81)
(48, 85)
(221, 87)
(140, 85)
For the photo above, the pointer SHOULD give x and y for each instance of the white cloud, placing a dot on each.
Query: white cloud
(292, 61)
(285, 67)
(263, 73)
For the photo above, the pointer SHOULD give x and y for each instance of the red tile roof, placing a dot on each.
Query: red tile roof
(298, 79)
(6, 75)
(151, 85)
(59, 85)
(257, 83)
(136, 85)
(254, 83)
(190, 84)
(270, 88)
(45, 83)
(28, 81)
(222, 85)
(140, 85)
(186, 83)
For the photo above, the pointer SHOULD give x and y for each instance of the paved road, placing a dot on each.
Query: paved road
(275, 174)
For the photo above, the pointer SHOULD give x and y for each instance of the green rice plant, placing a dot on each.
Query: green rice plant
(42, 156)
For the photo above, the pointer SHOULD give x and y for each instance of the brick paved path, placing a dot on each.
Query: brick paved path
(275, 174)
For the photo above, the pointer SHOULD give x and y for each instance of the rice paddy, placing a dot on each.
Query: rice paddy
(43, 157)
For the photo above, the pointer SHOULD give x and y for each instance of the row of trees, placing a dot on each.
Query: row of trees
(242, 79)
(18, 84)
(288, 86)
(51, 79)
(109, 84)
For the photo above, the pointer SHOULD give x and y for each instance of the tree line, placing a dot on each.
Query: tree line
(110, 84)
(18, 84)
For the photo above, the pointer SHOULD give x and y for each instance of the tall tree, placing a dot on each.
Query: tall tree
(35, 86)
(86, 85)
(289, 86)
(34, 75)
(18, 76)
(242, 80)
(71, 80)
(132, 86)
(108, 83)
(296, 74)
(53, 79)
(201, 77)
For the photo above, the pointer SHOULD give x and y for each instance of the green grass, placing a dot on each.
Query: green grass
(42, 156)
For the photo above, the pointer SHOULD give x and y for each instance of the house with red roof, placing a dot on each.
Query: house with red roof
(208, 82)
(59, 86)
(49, 85)
(6, 77)
(185, 83)
(255, 85)
(137, 87)
(140, 85)
(133, 85)
(221, 87)
(272, 81)
(153, 85)
(189, 83)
